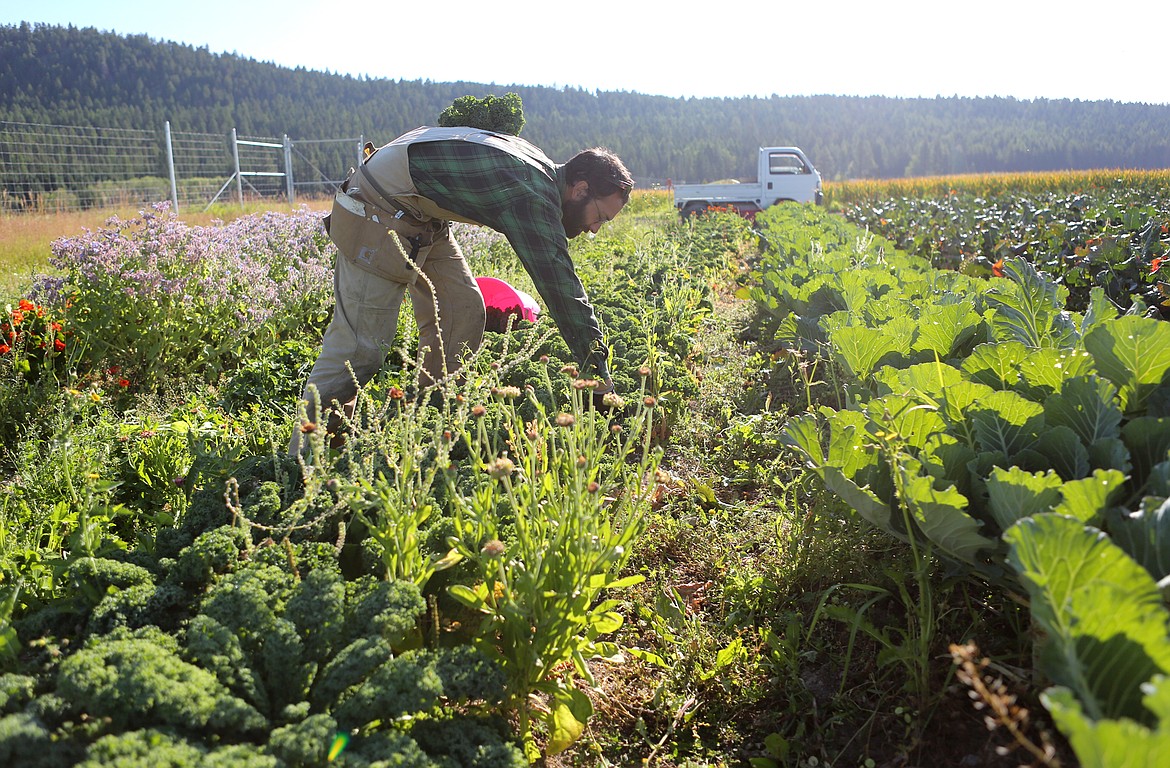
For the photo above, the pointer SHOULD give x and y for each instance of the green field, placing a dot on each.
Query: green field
(886, 489)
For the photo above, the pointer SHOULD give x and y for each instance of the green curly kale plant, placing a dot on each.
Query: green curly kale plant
(499, 114)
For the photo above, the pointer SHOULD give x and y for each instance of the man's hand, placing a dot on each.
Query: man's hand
(606, 401)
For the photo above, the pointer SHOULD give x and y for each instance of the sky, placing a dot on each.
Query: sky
(1026, 49)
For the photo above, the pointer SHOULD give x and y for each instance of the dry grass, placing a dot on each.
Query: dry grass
(26, 239)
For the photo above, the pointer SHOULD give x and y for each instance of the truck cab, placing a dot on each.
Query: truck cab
(784, 174)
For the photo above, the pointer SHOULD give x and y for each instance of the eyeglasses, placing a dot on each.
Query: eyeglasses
(600, 216)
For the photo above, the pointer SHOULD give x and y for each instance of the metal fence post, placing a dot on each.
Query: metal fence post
(171, 168)
(236, 160)
(288, 177)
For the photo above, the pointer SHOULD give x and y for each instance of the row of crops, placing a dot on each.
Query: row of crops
(1001, 402)
(177, 591)
(456, 585)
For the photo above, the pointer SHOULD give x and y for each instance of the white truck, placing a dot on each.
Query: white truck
(783, 174)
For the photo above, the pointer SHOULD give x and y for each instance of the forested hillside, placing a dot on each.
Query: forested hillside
(71, 76)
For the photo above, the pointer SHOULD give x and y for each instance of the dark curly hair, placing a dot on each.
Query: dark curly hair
(603, 170)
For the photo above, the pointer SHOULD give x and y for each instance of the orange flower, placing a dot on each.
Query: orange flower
(59, 345)
(17, 316)
(26, 305)
(997, 268)
(123, 382)
(5, 349)
(1156, 264)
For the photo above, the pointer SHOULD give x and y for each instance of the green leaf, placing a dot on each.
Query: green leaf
(956, 401)
(1088, 406)
(649, 657)
(1007, 422)
(728, 654)
(467, 596)
(1112, 743)
(942, 329)
(1014, 494)
(1087, 498)
(571, 710)
(1059, 449)
(604, 623)
(865, 502)
(803, 433)
(997, 364)
(1148, 441)
(1144, 534)
(1133, 353)
(449, 560)
(1105, 625)
(1099, 310)
(860, 348)
(1044, 371)
(932, 380)
(1110, 453)
(1029, 307)
(628, 581)
(911, 420)
(942, 517)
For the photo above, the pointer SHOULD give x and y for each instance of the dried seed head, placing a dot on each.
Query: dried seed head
(569, 370)
(593, 487)
(478, 411)
(396, 393)
(649, 401)
(644, 371)
(492, 548)
(308, 427)
(501, 467)
(565, 420)
(612, 400)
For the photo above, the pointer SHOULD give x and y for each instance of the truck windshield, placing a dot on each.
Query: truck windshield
(785, 162)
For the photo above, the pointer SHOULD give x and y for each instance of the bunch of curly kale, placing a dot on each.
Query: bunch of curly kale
(222, 648)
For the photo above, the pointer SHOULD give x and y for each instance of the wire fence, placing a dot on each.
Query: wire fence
(58, 168)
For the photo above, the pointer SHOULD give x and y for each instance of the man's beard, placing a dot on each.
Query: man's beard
(573, 217)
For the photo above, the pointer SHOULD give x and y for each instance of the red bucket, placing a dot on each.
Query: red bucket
(503, 301)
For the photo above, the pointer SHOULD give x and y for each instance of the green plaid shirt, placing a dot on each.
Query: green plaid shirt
(517, 192)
